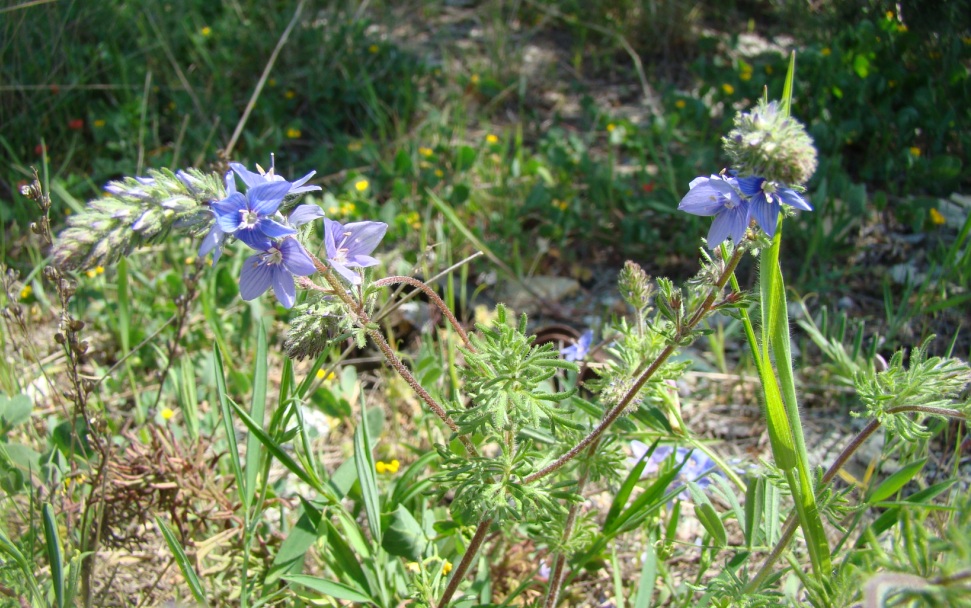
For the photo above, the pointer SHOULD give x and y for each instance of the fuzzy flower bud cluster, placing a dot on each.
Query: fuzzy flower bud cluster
(767, 143)
(136, 211)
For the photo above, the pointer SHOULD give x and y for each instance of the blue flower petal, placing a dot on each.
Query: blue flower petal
(274, 229)
(765, 212)
(296, 259)
(303, 214)
(229, 212)
(265, 198)
(212, 241)
(254, 238)
(793, 199)
(256, 277)
(283, 287)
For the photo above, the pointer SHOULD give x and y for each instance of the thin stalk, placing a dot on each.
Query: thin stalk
(615, 412)
(459, 573)
(559, 563)
(789, 528)
(364, 320)
(434, 298)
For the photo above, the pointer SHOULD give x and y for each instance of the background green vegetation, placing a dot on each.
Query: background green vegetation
(559, 136)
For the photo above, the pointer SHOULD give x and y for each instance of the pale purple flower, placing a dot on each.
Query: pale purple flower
(350, 246)
(718, 196)
(576, 352)
(276, 268)
(696, 467)
(249, 218)
(765, 198)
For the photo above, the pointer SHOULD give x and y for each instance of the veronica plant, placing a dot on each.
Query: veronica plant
(521, 442)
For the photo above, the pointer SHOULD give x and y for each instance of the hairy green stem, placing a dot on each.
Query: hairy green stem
(789, 528)
(615, 412)
(434, 298)
(459, 573)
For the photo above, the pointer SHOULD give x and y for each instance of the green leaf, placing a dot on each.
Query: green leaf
(278, 452)
(889, 517)
(620, 498)
(15, 410)
(706, 514)
(891, 485)
(291, 553)
(344, 560)
(645, 586)
(329, 588)
(254, 453)
(754, 503)
(54, 556)
(404, 536)
(228, 423)
(366, 474)
(195, 586)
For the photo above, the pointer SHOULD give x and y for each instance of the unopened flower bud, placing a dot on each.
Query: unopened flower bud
(767, 143)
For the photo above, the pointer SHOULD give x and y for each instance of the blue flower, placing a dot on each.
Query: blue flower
(303, 214)
(765, 198)
(252, 179)
(249, 217)
(696, 467)
(350, 246)
(718, 196)
(576, 352)
(275, 267)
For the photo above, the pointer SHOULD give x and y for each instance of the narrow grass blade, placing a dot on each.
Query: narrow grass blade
(54, 556)
(278, 452)
(329, 588)
(182, 560)
(366, 474)
(228, 423)
(620, 498)
(645, 586)
(6, 546)
(706, 514)
(254, 451)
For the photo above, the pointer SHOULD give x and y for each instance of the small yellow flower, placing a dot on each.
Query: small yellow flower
(610, 127)
(825, 52)
(327, 378)
(561, 205)
(348, 208)
(768, 70)
(387, 467)
(271, 82)
(474, 79)
(680, 104)
(333, 210)
(361, 185)
(293, 133)
(167, 413)
(95, 272)
(439, 173)
(889, 15)
(354, 146)
(491, 139)
(413, 220)
(936, 218)
(426, 152)
(373, 49)
(290, 94)
(206, 31)
(26, 291)
(413, 567)
(446, 567)
(728, 89)
(98, 123)
(424, 164)
(914, 151)
(745, 75)
(901, 28)
(189, 261)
